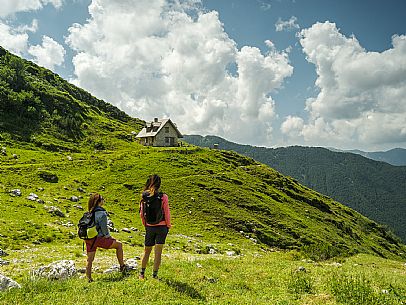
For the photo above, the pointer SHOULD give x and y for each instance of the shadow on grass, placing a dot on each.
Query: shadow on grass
(114, 277)
(184, 288)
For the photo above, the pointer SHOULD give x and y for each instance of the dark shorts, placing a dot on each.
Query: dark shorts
(100, 242)
(155, 235)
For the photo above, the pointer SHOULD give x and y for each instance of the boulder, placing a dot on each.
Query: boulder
(301, 269)
(32, 197)
(55, 211)
(74, 198)
(110, 225)
(131, 263)
(7, 283)
(57, 270)
(16, 192)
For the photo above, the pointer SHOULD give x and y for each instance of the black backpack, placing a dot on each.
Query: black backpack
(152, 208)
(87, 226)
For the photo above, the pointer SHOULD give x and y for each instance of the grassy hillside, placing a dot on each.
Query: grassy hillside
(375, 189)
(238, 205)
(288, 243)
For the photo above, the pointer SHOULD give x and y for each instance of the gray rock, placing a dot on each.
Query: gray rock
(134, 229)
(41, 189)
(253, 240)
(40, 201)
(4, 151)
(131, 263)
(7, 283)
(74, 198)
(78, 206)
(110, 225)
(127, 230)
(4, 262)
(55, 211)
(15, 156)
(16, 192)
(81, 190)
(230, 253)
(32, 197)
(301, 269)
(57, 270)
(69, 158)
(3, 253)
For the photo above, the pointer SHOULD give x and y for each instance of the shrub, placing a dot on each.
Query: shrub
(320, 252)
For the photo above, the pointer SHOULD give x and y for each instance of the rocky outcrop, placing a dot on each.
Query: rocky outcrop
(57, 270)
(7, 283)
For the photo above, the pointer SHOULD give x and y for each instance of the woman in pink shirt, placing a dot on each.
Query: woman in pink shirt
(156, 218)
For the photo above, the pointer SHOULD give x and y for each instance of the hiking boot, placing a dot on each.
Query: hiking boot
(124, 269)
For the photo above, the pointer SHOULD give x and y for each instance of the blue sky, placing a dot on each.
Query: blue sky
(262, 72)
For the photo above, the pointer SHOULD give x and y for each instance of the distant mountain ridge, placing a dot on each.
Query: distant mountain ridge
(396, 156)
(375, 189)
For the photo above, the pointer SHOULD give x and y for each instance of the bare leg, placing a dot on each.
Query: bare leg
(90, 259)
(158, 255)
(119, 251)
(145, 259)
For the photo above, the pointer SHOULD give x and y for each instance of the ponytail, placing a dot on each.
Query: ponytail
(94, 200)
(152, 185)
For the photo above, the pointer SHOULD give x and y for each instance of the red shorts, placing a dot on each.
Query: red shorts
(100, 242)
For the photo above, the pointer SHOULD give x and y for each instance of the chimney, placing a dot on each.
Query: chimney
(156, 120)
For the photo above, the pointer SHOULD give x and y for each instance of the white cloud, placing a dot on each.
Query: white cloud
(292, 126)
(287, 25)
(152, 58)
(49, 54)
(9, 7)
(28, 28)
(362, 95)
(15, 41)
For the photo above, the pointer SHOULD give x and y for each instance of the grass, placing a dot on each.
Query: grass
(256, 277)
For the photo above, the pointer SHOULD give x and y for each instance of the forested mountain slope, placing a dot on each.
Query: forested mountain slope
(375, 189)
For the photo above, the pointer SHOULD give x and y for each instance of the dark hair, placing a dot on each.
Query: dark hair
(153, 184)
(94, 200)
